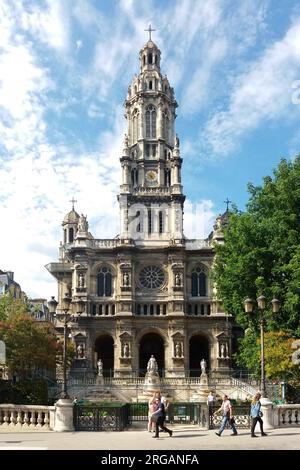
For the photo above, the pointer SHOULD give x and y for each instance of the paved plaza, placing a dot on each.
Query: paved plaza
(184, 438)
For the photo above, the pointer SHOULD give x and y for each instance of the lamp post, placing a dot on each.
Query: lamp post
(249, 305)
(65, 318)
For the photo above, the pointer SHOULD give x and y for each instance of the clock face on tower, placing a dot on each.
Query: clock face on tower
(151, 176)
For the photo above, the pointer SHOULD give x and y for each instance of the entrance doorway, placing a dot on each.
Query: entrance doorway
(151, 343)
(104, 350)
(199, 349)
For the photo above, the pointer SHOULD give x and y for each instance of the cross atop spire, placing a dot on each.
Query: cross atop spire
(149, 31)
(227, 202)
(73, 202)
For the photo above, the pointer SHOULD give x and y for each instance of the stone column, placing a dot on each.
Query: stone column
(267, 410)
(64, 415)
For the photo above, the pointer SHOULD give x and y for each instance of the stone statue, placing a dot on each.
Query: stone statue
(126, 350)
(177, 141)
(178, 351)
(152, 365)
(223, 350)
(80, 351)
(100, 368)
(83, 224)
(218, 223)
(203, 366)
(126, 279)
(80, 280)
(178, 280)
(126, 143)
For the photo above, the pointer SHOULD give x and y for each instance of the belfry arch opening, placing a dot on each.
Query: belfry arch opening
(104, 350)
(151, 344)
(198, 350)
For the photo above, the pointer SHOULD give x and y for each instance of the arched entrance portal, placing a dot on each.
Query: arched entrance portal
(151, 343)
(104, 350)
(199, 349)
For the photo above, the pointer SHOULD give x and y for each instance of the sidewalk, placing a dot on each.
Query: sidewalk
(184, 438)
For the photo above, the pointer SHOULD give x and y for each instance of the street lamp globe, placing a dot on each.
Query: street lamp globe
(261, 302)
(66, 302)
(248, 304)
(52, 305)
(275, 305)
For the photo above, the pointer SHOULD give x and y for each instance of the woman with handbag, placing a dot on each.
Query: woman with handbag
(256, 415)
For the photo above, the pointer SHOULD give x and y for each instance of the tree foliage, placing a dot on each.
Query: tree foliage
(29, 344)
(261, 253)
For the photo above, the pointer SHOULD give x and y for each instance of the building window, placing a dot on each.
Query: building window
(151, 277)
(166, 124)
(198, 283)
(150, 85)
(71, 235)
(167, 178)
(161, 222)
(139, 220)
(149, 221)
(104, 283)
(150, 122)
(135, 126)
(150, 57)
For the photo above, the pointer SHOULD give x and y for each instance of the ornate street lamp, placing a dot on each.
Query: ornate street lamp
(261, 303)
(65, 317)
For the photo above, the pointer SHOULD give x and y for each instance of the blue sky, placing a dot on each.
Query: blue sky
(65, 66)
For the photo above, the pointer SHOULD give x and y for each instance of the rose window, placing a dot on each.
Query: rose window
(152, 277)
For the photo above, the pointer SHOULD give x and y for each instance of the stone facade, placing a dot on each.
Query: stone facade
(147, 292)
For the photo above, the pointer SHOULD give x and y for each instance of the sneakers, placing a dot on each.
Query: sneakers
(217, 434)
(263, 434)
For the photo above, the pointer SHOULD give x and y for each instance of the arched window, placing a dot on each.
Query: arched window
(104, 283)
(150, 57)
(198, 283)
(150, 85)
(135, 126)
(144, 60)
(65, 236)
(167, 178)
(71, 235)
(155, 59)
(150, 122)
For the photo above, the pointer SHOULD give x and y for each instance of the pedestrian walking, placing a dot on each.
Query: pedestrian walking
(159, 416)
(256, 415)
(227, 412)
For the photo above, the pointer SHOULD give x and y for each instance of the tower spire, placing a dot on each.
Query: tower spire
(73, 202)
(149, 30)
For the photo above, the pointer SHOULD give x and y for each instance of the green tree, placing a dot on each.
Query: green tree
(29, 344)
(261, 253)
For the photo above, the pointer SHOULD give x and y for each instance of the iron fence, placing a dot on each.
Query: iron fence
(100, 418)
(241, 415)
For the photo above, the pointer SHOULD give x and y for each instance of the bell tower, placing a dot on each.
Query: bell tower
(151, 199)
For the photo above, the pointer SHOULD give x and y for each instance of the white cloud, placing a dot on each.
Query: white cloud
(261, 93)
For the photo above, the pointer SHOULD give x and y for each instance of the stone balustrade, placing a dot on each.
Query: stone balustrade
(287, 415)
(27, 417)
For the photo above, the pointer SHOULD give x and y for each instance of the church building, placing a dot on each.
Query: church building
(149, 290)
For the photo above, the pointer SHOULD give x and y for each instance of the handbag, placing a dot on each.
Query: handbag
(231, 421)
(260, 414)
